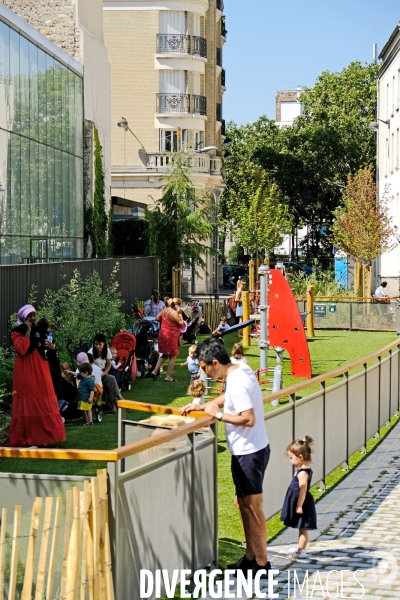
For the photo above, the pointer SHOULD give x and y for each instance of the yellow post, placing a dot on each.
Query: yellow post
(246, 317)
(252, 282)
(310, 310)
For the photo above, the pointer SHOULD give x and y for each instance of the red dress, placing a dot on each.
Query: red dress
(35, 417)
(168, 337)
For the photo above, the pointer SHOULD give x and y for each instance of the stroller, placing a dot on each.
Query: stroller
(125, 344)
(193, 325)
(146, 331)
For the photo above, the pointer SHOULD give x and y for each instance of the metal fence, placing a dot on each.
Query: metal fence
(353, 314)
(136, 277)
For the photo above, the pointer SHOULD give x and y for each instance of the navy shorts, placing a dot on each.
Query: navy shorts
(248, 472)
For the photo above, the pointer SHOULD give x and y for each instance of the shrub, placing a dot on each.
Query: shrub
(323, 281)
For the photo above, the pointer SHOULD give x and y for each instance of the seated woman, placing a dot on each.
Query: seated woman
(102, 358)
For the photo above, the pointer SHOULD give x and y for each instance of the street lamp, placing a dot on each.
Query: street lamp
(125, 125)
(217, 193)
(375, 124)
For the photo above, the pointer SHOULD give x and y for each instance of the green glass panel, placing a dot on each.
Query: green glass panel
(24, 85)
(50, 99)
(57, 105)
(72, 116)
(33, 93)
(42, 97)
(25, 188)
(50, 190)
(79, 197)
(43, 182)
(78, 117)
(15, 95)
(36, 219)
(58, 228)
(5, 75)
(15, 220)
(64, 109)
(65, 199)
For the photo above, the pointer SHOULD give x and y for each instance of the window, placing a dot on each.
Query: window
(386, 157)
(393, 94)
(172, 141)
(397, 148)
(387, 101)
(198, 140)
(391, 153)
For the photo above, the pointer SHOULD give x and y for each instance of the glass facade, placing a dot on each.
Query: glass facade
(41, 154)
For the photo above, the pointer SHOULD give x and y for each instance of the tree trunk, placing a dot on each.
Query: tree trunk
(358, 279)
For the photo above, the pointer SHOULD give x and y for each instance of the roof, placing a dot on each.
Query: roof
(386, 47)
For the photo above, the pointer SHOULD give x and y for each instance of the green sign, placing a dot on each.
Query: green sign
(319, 310)
(332, 308)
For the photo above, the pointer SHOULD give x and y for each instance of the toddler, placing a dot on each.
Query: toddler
(192, 364)
(197, 389)
(115, 365)
(85, 391)
(298, 508)
(223, 326)
(237, 354)
(150, 363)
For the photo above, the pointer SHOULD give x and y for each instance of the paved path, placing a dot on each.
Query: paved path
(359, 528)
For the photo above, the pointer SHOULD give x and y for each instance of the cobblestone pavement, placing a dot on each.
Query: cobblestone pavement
(356, 552)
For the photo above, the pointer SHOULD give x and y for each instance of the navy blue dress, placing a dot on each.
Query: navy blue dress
(308, 520)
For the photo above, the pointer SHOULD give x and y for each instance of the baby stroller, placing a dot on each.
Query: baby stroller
(125, 345)
(193, 324)
(146, 331)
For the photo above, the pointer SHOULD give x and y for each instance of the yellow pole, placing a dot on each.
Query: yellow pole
(310, 310)
(246, 317)
(252, 282)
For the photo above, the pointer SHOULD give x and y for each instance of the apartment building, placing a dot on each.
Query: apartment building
(387, 266)
(167, 87)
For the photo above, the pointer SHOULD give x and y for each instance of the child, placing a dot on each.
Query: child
(237, 354)
(223, 326)
(298, 508)
(197, 389)
(85, 391)
(115, 365)
(192, 364)
(150, 363)
(98, 384)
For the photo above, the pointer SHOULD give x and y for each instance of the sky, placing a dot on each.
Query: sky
(278, 45)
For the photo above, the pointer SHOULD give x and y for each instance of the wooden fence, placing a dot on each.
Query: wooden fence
(72, 560)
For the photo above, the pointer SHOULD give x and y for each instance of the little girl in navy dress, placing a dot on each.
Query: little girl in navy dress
(298, 508)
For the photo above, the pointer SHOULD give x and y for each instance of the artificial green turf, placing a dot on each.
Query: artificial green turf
(329, 350)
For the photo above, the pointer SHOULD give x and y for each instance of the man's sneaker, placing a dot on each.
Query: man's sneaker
(256, 568)
(243, 564)
(296, 554)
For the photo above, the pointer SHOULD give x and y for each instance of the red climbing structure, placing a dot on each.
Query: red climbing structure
(285, 326)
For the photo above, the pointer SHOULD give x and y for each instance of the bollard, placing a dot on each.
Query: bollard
(246, 317)
(310, 310)
(264, 274)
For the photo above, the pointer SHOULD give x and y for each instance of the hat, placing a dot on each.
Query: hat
(24, 311)
(82, 358)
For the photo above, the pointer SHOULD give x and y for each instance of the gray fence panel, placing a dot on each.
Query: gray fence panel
(136, 277)
(336, 426)
(372, 400)
(204, 493)
(309, 420)
(356, 413)
(279, 426)
(385, 389)
(394, 379)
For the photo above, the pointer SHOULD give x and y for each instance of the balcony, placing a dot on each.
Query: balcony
(219, 113)
(199, 105)
(200, 163)
(173, 103)
(219, 57)
(199, 46)
(173, 43)
(223, 78)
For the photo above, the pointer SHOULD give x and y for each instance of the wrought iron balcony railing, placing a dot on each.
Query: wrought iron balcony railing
(219, 57)
(173, 103)
(223, 78)
(173, 43)
(199, 46)
(199, 105)
(219, 112)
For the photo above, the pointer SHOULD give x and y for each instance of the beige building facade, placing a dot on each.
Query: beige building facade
(167, 82)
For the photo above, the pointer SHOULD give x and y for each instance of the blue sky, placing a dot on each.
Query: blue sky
(278, 45)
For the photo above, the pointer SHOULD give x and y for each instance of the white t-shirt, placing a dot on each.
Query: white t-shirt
(243, 393)
(96, 371)
(101, 362)
(380, 292)
(199, 400)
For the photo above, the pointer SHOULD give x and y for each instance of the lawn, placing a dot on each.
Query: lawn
(329, 350)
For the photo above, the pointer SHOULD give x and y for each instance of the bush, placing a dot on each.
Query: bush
(323, 281)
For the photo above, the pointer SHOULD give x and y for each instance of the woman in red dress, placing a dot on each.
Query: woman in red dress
(35, 420)
(168, 345)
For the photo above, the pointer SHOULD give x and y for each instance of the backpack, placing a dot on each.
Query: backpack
(232, 304)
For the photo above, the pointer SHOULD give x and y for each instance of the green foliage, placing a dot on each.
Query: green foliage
(181, 223)
(96, 217)
(323, 281)
(363, 226)
(310, 160)
(131, 237)
(81, 308)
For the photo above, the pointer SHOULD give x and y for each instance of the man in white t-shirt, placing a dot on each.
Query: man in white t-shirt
(247, 439)
(380, 291)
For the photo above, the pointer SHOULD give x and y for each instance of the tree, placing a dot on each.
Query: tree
(363, 226)
(259, 222)
(181, 224)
